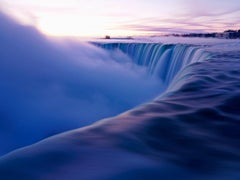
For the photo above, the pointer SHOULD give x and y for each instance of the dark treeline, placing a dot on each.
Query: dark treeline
(228, 34)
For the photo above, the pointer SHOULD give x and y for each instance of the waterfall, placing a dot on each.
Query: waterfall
(161, 60)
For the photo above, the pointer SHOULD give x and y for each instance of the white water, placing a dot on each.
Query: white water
(162, 61)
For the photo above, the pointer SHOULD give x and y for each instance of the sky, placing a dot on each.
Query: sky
(95, 18)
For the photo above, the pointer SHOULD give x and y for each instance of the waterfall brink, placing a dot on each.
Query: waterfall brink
(161, 60)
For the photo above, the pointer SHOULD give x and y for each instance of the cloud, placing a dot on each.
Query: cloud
(188, 22)
(174, 26)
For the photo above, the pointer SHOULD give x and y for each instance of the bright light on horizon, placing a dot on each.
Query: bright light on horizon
(70, 25)
(84, 26)
(126, 17)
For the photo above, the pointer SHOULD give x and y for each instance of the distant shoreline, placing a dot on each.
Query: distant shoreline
(228, 34)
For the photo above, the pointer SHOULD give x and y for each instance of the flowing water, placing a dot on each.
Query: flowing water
(179, 106)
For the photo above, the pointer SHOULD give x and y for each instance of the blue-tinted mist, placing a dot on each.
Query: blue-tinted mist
(50, 86)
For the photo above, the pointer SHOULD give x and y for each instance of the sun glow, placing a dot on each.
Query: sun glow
(82, 26)
(71, 25)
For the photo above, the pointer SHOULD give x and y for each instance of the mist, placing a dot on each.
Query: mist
(50, 86)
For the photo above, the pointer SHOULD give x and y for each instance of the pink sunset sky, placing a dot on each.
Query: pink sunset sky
(125, 17)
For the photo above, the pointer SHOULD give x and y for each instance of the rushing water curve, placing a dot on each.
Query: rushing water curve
(163, 61)
(191, 131)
